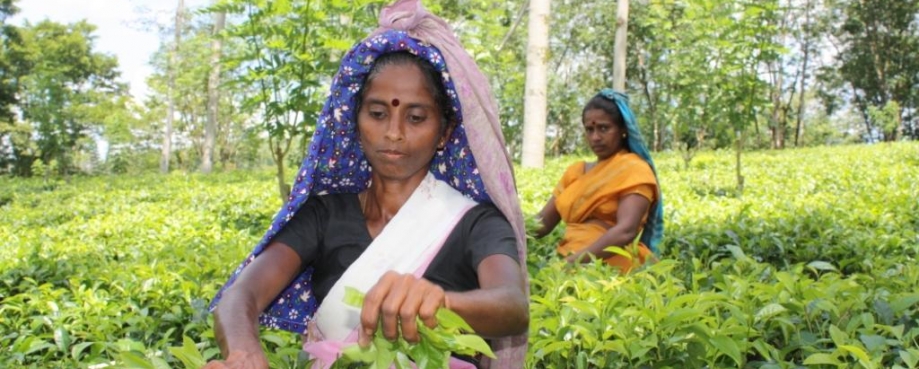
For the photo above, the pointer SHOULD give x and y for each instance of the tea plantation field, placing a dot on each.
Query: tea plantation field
(813, 265)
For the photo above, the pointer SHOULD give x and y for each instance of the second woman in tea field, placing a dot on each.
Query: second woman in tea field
(611, 201)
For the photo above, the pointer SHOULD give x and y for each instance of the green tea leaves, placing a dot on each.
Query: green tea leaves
(432, 351)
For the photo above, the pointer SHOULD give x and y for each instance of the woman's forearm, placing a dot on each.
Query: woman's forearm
(236, 324)
(629, 215)
(236, 316)
(499, 307)
(617, 236)
(496, 312)
(548, 218)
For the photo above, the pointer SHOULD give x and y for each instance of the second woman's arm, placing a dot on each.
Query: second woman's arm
(632, 208)
(548, 218)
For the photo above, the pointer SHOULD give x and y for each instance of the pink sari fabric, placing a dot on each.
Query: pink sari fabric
(483, 130)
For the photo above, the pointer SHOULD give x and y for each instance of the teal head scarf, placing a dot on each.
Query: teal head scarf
(654, 227)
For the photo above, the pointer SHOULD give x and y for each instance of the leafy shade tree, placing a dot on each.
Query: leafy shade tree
(9, 61)
(16, 149)
(880, 60)
(494, 34)
(68, 91)
(290, 49)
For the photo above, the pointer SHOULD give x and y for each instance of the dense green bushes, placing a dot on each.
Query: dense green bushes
(813, 265)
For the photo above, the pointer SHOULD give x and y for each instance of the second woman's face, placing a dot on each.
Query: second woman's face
(399, 123)
(603, 134)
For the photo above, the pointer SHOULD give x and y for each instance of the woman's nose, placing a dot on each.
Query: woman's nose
(593, 136)
(394, 129)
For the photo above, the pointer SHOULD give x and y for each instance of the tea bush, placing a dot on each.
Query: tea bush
(813, 265)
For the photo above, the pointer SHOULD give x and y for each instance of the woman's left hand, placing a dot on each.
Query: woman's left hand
(395, 301)
(579, 257)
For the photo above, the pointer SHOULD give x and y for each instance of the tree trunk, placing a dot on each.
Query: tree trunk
(283, 187)
(170, 109)
(622, 26)
(652, 105)
(213, 97)
(278, 154)
(741, 136)
(534, 117)
(777, 126)
(799, 129)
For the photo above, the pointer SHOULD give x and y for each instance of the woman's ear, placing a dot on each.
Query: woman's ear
(446, 136)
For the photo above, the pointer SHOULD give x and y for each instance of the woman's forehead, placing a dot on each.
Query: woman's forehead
(597, 116)
(399, 82)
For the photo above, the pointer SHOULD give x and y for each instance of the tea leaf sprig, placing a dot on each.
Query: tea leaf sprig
(451, 336)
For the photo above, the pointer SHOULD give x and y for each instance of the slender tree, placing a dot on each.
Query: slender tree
(170, 110)
(534, 121)
(213, 97)
(622, 28)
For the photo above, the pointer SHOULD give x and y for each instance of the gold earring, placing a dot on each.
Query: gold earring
(624, 135)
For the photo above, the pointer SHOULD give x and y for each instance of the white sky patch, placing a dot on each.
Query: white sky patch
(125, 28)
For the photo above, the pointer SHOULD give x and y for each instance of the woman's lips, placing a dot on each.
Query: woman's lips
(392, 153)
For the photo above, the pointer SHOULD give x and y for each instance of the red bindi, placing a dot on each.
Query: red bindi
(395, 102)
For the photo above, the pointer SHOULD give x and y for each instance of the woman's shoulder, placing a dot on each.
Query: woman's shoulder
(484, 217)
(485, 210)
(575, 169)
(634, 159)
(638, 168)
(578, 165)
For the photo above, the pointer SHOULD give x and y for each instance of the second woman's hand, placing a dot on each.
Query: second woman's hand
(395, 302)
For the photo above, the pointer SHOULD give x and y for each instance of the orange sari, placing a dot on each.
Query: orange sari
(588, 202)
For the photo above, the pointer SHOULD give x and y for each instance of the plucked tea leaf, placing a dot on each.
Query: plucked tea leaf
(353, 297)
(451, 320)
(432, 351)
(356, 353)
(475, 343)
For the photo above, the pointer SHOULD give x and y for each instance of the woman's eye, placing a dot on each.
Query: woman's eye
(603, 129)
(376, 114)
(416, 118)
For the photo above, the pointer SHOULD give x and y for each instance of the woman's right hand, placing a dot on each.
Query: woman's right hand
(240, 360)
(395, 302)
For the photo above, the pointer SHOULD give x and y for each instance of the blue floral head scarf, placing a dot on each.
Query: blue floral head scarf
(336, 164)
(654, 227)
